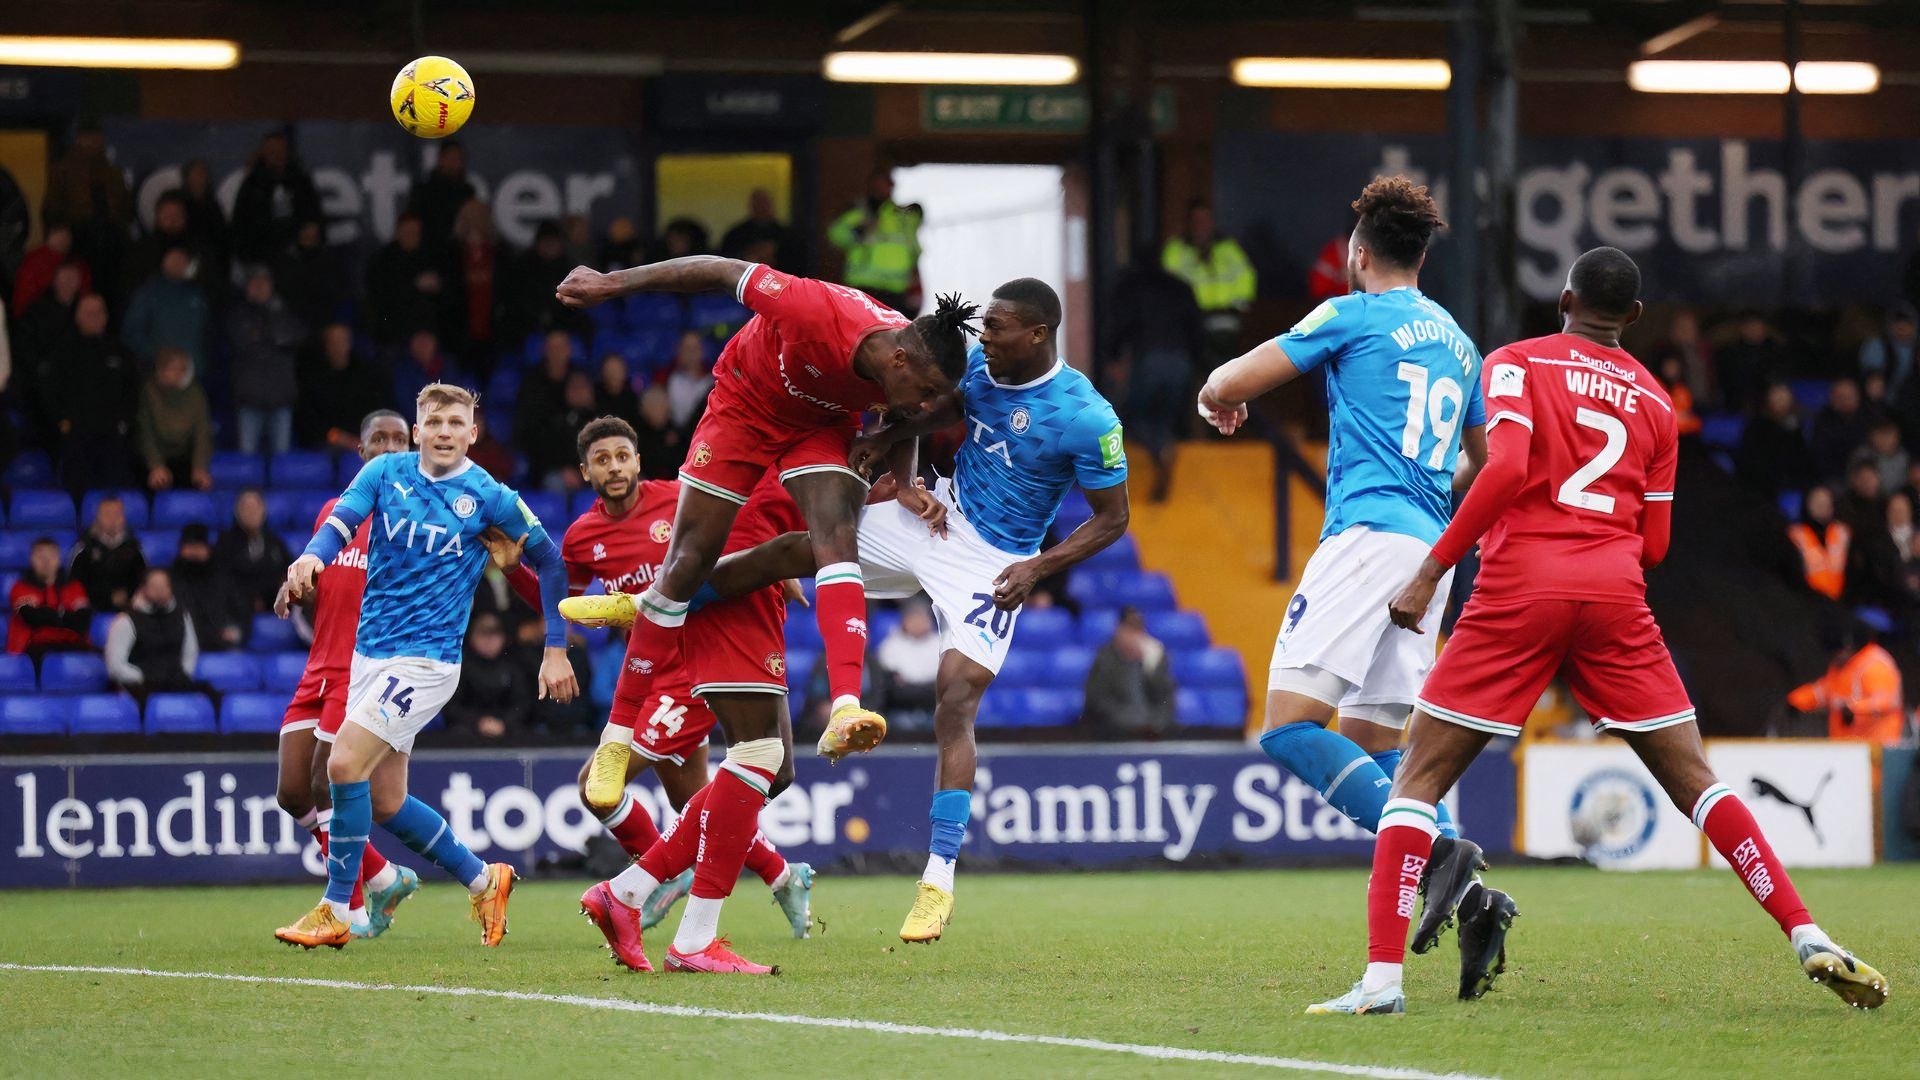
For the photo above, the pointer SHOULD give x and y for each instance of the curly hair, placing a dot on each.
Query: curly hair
(1397, 219)
(944, 333)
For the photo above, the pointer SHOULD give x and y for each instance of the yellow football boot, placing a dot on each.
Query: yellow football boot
(1853, 979)
(490, 907)
(851, 730)
(607, 776)
(932, 911)
(317, 927)
(593, 612)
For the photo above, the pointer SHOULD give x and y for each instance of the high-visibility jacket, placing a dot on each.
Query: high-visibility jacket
(1825, 558)
(1861, 696)
(886, 254)
(1222, 277)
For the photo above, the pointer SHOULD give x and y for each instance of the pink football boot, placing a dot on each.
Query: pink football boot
(620, 923)
(717, 958)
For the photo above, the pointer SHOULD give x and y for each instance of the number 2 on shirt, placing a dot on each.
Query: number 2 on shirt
(1574, 491)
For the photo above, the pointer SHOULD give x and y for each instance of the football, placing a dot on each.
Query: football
(432, 97)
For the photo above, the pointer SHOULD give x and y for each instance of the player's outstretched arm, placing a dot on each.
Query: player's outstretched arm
(1223, 400)
(585, 286)
(1108, 523)
(556, 671)
(1499, 483)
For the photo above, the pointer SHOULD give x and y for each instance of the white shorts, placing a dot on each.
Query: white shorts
(899, 558)
(394, 698)
(1336, 643)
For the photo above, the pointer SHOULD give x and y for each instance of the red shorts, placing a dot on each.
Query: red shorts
(319, 704)
(647, 701)
(734, 445)
(739, 645)
(1502, 656)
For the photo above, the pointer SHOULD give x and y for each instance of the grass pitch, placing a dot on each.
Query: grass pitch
(1659, 974)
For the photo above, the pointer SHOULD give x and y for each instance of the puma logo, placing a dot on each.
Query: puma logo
(405, 491)
(1767, 789)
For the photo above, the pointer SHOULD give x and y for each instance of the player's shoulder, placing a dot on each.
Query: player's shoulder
(1334, 312)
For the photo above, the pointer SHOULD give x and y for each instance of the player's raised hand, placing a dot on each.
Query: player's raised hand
(556, 677)
(585, 287)
(1010, 589)
(301, 576)
(283, 607)
(502, 549)
(924, 506)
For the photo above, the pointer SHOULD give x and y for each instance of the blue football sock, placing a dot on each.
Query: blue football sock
(347, 837)
(1345, 775)
(704, 595)
(423, 830)
(1389, 762)
(951, 809)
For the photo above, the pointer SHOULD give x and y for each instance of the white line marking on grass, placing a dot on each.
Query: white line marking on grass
(1168, 1053)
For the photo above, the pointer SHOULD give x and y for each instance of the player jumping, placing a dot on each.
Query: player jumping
(789, 390)
(1035, 427)
(319, 703)
(1403, 391)
(1578, 495)
(620, 541)
(424, 557)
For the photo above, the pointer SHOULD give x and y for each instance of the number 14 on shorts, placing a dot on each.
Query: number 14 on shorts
(400, 697)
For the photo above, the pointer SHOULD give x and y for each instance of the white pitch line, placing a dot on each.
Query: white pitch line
(1166, 1053)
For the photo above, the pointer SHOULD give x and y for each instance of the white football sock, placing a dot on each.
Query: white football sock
(384, 879)
(698, 924)
(844, 699)
(1380, 977)
(1808, 932)
(939, 872)
(357, 919)
(634, 885)
(786, 874)
(340, 910)
(478, 885)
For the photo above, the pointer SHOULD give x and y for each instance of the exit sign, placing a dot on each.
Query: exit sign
(1021, 109)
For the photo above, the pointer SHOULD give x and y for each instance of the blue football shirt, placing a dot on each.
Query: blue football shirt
(1026, 445)
(1403, 381)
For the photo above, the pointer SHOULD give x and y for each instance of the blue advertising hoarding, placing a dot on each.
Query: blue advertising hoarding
(181, 819)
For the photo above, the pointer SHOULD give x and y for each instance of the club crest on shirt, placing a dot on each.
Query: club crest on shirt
(776, 665)
(661, 531)
(1019, 421)
(465, 505)
(701, 455)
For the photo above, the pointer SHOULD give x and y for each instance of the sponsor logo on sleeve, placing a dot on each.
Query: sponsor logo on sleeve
(771, 283)
(1113, 449)
(1316, 318)
(1509, 380)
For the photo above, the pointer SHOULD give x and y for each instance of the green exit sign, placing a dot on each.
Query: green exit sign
(1031, 110)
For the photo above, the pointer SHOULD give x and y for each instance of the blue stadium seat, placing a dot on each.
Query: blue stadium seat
(160, 546)
(73, 673)
(133, 499)
(97, 629)
(232, 469)
(999, 707)
(281, 672)
(1044, 628)
(1880, 619)
(1226, 706)
(1072, 515)
(104, 714)
(1143, 589)
(252, 714)
(1791, 503)
(1050, 707)
(1202, 669)
(272, 634)
(803, 631)
(293, 512)
(1179, 630)
(301, 469)
(32, 716)
(16, 675)
(16, 549)
(582, 502)
(550, 508)
(8, 578)
(174, 509)
(1722, 431)
(1122, 554)
(180, 714)
(1097, 626)
(708, 311)
(29, 469)
(229, 672)
(1071, 663)
(345, 468)
(41, 509)
(881, 621)
(1810, 394)
(650, 350)
(1026, 667)
(655, 311)
(607, 321)
(800, 665)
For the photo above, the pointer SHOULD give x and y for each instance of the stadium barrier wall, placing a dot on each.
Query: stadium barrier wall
(1897, 766)
(180, 819)
(1815, 799)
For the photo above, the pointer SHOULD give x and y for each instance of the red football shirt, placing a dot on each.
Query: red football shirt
(336, 610)
(794, 359)
(1604, 445)
(624, 552)
(769, 512)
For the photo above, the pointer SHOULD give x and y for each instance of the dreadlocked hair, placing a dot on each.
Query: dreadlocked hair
(945, 331)
(1397, 219)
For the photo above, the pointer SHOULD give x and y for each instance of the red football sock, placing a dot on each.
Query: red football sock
(1400, 852)
(731, 817)
(371, 862)
(1737, 837)
(840, 605)
(632, 826)
(359, 897)
(765, 859)
(653, 638)
(678, 847)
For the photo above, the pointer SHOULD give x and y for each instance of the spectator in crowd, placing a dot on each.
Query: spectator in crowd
(425, 363)
(472, 270)
(107, 560)
(579, 233)
(1749, 366)
(221, 609)
(1873, 392)
(760, 237)
(404, 286)
(690, 381)
(15, 222)
(622, 248)
(1220, 274)
(1891, 354)
(1159, 335)
(50, 610)
(580, 400)
(170, 231)
(613, 395)
(251, 553)
(492, 455)
(1839, 429)
(439, 195)
(1685, 344)
(173, 427)
(539, 423)
(1863, 505)
(683, 236)
(99, 389)
(310, 277)
(1824, 543)
(662, 446)
(40, 342)
(909, 660)
(1860, 693)
(205, 220)
(41, 326)
(1884, 450)
(37, 268)
(264, 335)
(528, 303)
(880, 240)
(276, 196)
(152, 647)
(1130, 688)
(338, 388)
(89, 193)
(495, 697)
(169, 311)
(1900, 534)
(1772, 455)
(1686, 419)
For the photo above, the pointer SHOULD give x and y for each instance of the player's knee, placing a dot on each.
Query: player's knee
(957, 701)
(295, 796)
